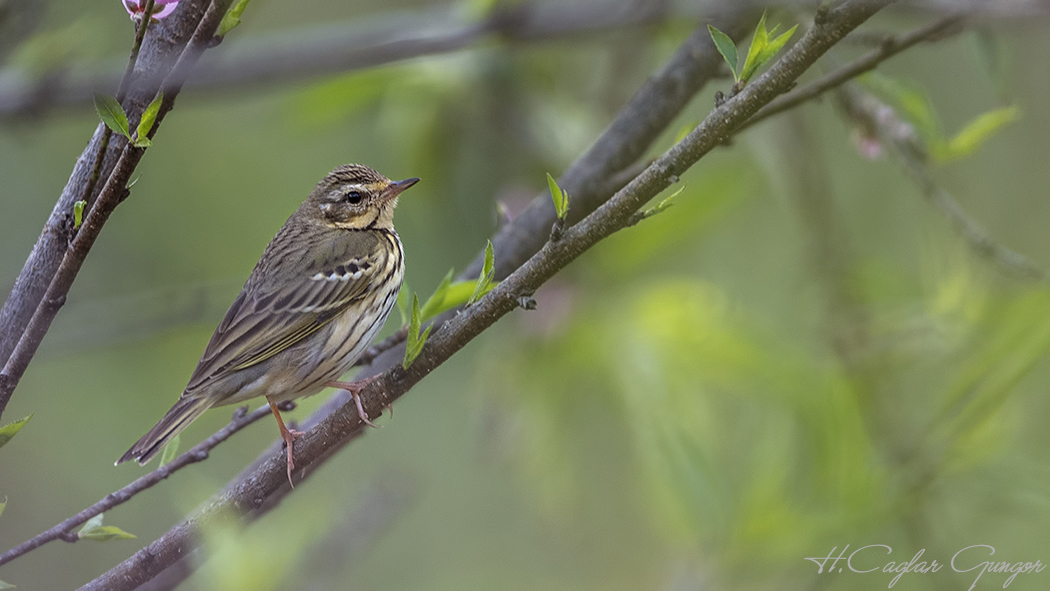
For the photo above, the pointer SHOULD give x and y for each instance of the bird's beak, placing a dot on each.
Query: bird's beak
(396, 188)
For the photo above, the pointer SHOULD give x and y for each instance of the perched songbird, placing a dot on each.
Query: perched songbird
(321, 291)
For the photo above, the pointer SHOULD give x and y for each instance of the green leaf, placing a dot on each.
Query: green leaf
(3, 506)
(171, 451)
(232, 18)
(415, 341)
(9, 431)
(458, 294)
(758, 42)
(727, 48)
(774, 46)
(485, 277)
(149, 117)
(112, 114)
(976, 133)
(106, 533)
(435, 302)
(664, 204)
(763, 49)
(560, 197)
(4, 585)
(94, 530)
(92, 523)
(78, 213)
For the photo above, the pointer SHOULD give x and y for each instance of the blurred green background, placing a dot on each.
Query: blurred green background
(799, 355)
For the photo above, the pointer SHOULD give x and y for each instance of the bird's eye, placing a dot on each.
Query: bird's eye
(353, 197)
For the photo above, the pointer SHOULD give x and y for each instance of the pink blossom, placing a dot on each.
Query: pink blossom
(868, 146)
(161, 8)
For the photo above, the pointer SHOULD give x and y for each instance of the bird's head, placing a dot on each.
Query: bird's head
(355, 197)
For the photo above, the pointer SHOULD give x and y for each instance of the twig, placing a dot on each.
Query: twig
(890, 47)
(113, 192)
(122, 91)
(140, 34)
(264, 483)
(63, 531)
(977, 237)
(899, 135)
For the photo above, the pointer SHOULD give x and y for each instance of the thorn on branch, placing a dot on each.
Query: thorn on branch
(720, 98)
(239, 414)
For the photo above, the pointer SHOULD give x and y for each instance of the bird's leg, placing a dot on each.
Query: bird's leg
(354, 388)
(288, 435)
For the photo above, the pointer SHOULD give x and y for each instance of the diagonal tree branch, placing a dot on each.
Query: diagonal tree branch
(264, 484)
(112, 194)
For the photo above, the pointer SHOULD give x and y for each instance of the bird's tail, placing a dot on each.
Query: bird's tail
(178, 418)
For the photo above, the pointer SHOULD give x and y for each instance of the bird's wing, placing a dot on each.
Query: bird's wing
(300, 284)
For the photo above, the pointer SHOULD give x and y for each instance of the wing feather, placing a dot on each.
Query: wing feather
(299, 285)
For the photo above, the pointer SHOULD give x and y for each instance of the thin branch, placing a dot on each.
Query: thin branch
(889, 47)
(199, 453)
(122, 92)
(112, 194)
(900, 136)
(263, 484)
(976, 236)
(140, 34)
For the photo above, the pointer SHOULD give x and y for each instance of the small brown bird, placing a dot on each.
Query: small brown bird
(321, 291)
